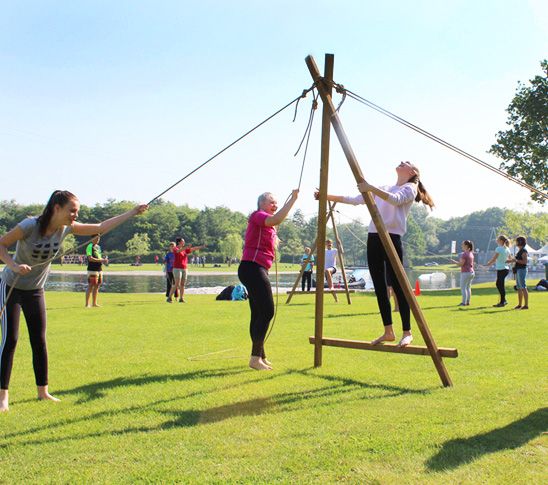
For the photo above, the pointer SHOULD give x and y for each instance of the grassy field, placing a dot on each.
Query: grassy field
(143, 402)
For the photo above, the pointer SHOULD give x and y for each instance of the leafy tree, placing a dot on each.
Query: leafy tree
(69, 244)
(353, 236)
(414, 241)
(524, 147)
(138, 245)
(533, 226)
(231, 246)
(428, 225)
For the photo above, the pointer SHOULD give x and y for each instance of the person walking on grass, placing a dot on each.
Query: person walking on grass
(169, 259)
(501, 258)
(521, 260)
(180, 265)
(38, 240)
(95, 270)
(393, 203)
(466, 263)
(258, 256)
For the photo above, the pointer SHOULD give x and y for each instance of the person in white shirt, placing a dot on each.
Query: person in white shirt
(330, 262)
(393, 203)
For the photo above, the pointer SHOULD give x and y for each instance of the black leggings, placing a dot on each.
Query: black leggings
(379, 269)
(33, 304)
(501, 276)
(255, 278)
(170, 281)
(307, 278)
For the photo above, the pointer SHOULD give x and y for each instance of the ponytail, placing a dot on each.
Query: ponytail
(59, 197)
(504, 240)
(422, 194)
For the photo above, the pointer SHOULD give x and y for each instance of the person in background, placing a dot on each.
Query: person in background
(330, 262)
(169, 259)
(95, 270)
(466, 263)
(180, 265)
(307, 273)
(501, 259)
(521, 260)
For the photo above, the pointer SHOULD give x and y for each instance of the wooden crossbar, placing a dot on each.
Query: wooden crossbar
(312, 292)
(385, 347)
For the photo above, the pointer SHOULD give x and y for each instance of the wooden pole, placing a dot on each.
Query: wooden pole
(324, 88)
(340, 251)
(322, 212)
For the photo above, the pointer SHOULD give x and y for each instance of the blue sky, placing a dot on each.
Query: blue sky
(121, 99)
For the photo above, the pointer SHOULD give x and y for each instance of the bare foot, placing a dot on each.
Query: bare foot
(266, 362)
(4, 407)
(385, 337)
(95, 305)
(44, 395)
(258, 364)
(88, 306)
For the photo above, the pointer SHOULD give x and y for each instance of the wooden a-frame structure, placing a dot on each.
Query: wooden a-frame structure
(330, 117)
(340, 257)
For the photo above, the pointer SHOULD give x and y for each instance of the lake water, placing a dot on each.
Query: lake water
(199, 283)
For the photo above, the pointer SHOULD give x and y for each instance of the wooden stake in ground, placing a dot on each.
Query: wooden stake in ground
(322, 211)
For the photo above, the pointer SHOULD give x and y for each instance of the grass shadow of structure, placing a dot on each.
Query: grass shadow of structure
(458, 452)
(97, 390)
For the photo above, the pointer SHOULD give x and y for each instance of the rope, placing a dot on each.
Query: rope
(370, 104)
(233, 143)
(60, 254)
(406, 243)
(306, 135)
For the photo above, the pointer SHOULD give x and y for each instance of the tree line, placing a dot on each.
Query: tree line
(222, 231)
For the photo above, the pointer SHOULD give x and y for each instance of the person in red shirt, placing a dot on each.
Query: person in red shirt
(180, 264)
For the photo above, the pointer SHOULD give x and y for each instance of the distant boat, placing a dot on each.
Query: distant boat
(437, 276)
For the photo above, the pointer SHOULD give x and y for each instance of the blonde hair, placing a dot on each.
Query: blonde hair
(264, 196)
(504, 240)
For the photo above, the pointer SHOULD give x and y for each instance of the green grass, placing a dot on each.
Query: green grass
(136, 409)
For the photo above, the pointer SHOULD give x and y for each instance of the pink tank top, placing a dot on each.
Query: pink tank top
(260, 240)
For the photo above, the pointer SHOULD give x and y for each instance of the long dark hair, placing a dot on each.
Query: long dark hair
(422, 194)
(59, 197)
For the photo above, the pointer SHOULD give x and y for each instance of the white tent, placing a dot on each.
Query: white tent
(543, 250)
(531, 250)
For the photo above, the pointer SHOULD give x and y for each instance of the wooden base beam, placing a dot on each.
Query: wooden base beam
(313, 292)
(385, 347)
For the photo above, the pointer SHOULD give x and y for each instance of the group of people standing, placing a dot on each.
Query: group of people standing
(502, 258)
(38, 241)
(176, 267)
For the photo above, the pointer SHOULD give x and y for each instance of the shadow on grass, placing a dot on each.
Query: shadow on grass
(337, 389)
(97, 390)
(459, 452)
